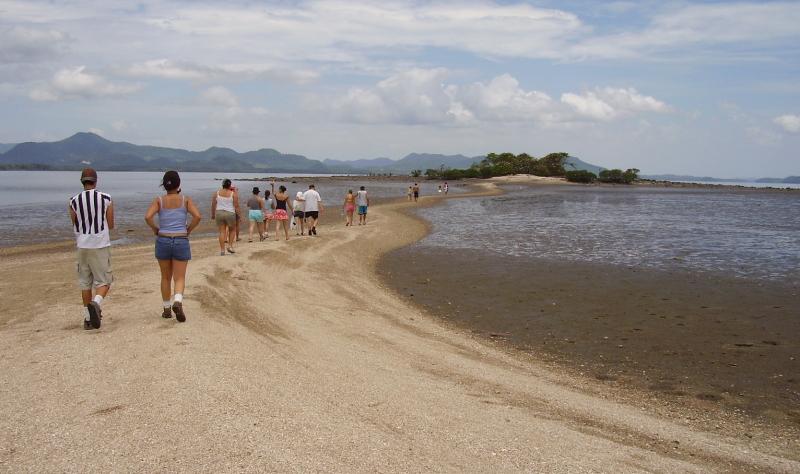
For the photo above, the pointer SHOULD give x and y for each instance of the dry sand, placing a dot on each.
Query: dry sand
(294, 358)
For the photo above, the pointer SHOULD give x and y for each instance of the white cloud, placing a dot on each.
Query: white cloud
(23, 44)
(422, 96)
(219, 95)
(608, 103)
(178, 70)
(789, 122)
(77, 83)
(119, 125)
(714, 25)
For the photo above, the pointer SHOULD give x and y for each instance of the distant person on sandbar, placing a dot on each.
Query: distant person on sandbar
(362, 201)
(92, 216)
(299, 214)
(415, 189)
(255, 215)
(224, 207)
(282, 205)
(440, 188)
(313, 206)
(269, 212)
(410, 193)
(238, 215)
(173, 251)
(349, 207)
(446, 187)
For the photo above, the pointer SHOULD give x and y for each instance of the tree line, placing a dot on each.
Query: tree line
(504, 164)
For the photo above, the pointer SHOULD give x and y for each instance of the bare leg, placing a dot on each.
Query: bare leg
(179, 275)
(286, 229)
(223, 231)
(250, 230)
(86, 296)
(166, 279)
(231, 236)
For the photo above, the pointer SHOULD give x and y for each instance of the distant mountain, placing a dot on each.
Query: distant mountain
(711, 179)
(4, 147)
(85, 149)
(573, 163)
(89, 149)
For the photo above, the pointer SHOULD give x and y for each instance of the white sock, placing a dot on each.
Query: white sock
(85, 313)
(98, 299)
(166, 303)
(178, 298)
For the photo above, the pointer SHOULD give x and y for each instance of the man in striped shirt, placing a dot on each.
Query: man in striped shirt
(92, 214)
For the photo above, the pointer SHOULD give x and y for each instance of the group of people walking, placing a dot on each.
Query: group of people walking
(172, 217)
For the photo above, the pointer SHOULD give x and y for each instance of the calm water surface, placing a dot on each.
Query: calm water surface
(744, 233)
(33, 204)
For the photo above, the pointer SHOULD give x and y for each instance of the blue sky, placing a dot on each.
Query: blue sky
(707, 88)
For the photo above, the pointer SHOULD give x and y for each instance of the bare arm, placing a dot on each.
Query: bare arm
(73, 217)
(110, 215)
(213, 206)
(263, 204)
(195, 213)
(236, 202)
(150, 214)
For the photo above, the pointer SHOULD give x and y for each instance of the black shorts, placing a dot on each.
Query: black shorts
(416, 194)
(299, 214)
(312, 214)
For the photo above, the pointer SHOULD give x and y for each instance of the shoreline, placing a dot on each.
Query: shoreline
(295, 354)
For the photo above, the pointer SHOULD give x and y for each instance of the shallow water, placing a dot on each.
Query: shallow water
(33, 204)
(743, 233)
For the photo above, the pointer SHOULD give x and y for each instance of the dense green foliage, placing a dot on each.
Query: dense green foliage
(580, 176)
(618, 176)
(502, 164)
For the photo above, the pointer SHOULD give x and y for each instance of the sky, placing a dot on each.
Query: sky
(685, 87)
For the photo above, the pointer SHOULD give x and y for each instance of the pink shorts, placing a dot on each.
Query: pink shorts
(280, 215)
(349, 207)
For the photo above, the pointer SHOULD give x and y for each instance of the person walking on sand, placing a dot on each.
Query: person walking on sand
(410, 193)
(349, 206)
(362, 201)
(92, 216)
(313, 207)
(269, 212)
(224, 207)
(299, 214)
(238, 215)
(446, 187)
(282, 205)
(255, 215)
(173, 251)
(415, 189)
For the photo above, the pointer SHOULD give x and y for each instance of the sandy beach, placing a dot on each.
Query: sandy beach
(296, 357)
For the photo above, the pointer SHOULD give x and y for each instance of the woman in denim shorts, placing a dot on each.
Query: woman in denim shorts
(172, 241)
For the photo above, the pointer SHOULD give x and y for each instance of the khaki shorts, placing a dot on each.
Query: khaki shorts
(94, 268)
(225, 218)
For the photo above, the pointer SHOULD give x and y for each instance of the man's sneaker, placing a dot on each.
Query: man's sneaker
(95, 313)
(167, 313)
(178, 308)
(86, 324)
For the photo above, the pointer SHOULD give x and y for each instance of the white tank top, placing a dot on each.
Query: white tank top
(225, 203)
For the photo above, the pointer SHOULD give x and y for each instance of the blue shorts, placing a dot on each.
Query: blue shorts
(173, 248)
(255, 215)
(362, 210)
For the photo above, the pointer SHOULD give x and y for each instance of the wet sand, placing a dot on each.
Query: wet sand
(296, 358)
(702, 340)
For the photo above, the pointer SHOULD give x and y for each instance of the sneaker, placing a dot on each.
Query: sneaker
(95, 313)
(167, 313)
(231, 250)
(179, 314)
(86, 324)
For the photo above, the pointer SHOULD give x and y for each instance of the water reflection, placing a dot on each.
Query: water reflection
(750, 234)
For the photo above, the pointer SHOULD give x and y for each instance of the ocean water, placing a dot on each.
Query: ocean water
(33, 204)
(752, 234)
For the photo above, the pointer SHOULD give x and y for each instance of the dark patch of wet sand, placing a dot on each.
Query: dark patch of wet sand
(692, 338)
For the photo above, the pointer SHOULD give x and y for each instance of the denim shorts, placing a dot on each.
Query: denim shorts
(173, 248)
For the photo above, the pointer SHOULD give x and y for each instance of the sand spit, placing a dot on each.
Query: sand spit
(294, 358)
